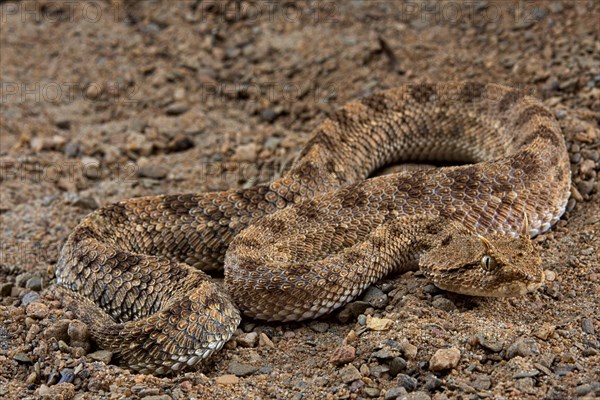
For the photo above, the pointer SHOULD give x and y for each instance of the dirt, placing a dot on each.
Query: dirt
(107, 100)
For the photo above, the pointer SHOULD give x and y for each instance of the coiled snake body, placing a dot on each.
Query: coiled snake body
(313, 240)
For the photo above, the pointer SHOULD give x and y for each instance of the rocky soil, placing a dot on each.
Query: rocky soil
(106, 100)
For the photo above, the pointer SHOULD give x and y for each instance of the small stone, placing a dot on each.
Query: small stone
(407, 382)
(371, 391)
(246, 153)
(343, 355)
(268, 115)
(396, 365)
(409, 350)
(37, 310)
(379, 324)
(443, 304)
(587, 325)
(5, 289)
(22, 279)
(63, 123)
(22, 358)
(227, 379)
(101, 355)
(522, 347)
(240, 369)
(152, 171)
(34, 283)
(180, 143)
(494, 346)
(584, 389)
(349, 373)
(350, 337)
(248, 339)
(177, 109)
(482, 382)
(384, 354)
(549, 275)
(586, 168)
(58, 330)
(84, 202)
(544, 331)
(272, 142)
(419, 395)
(320, 327)
(264, 341)
(66, 376)
(91, 167)
(375, 297)
(432, 383)
(395, 393)
(586, 187)
(444, 359)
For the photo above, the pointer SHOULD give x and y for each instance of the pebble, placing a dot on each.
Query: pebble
(409, 350)
(417, 396)
(58, 330)
(395, 393)
(586, 187)
(157, 397)
(444, 359)
(67, 375)
(22, 279)
(375, 297)
(34, 283)
(549, 275)
(240, 369)
(587, 325)
(227, 379)
(544, 331)
(586, 168)
(407, 382)
(246, 153)
(384, 354)
(343, 355)
(379, 324)
(495, 346)
(349, 373)
(248, 339)
(443, 304)
(264, 341)
(37, 310)
(5, 289)
(320, 327)
(177, 109)
(152, 171)
(432, 383)
(396, 365)
(22, 358)
(371, 391)
(522, 347)
(101, 355)
(179, 143)
(84, 202)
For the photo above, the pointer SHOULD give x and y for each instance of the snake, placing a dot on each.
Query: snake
(137, 272)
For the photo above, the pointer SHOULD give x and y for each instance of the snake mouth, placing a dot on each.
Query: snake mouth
(509, 289)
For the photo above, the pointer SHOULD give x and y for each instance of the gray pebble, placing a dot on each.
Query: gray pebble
(395, 393)
(152, 171)
(417, 396)
(384, 354)
(176, 109)
(267, 369)
(72, 149)
(349, 373)
(22, 279)
(362, 319)
(432, 383)
(320, 327)
(268, 115)
(443, 304)
(22, 358)
(586, 187)
(101, 355)
(575, 158)
(407, 382)
(526, 374)
(272, 142)
(482, 382)
(5, 289)
(29, 298)
(522, 347)
(248, 340)
(588, 326)
(396, 365)
(85, 202)
(358, 307)
(66, 376)
(375, 297)
(560, 114)
(371, 391)
(34, 283)
(240, 369)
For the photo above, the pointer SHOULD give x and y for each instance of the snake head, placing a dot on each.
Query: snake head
(492, 266)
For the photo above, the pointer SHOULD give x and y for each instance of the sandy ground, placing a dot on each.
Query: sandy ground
(106, 100)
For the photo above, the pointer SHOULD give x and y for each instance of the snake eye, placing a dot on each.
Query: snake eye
(488, 263)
